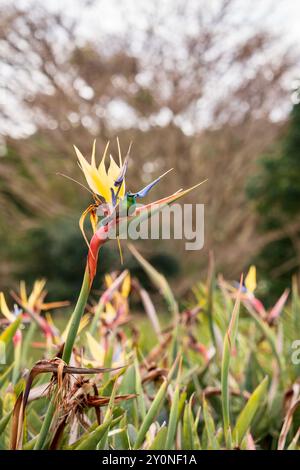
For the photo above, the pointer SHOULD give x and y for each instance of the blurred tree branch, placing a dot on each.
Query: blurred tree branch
(188, 88)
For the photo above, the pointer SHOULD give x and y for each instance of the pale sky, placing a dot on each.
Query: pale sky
(281, 17)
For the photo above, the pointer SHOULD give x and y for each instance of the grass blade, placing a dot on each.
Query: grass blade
(159, 440)
(91, 442)
(246, 416)
(157, 279)
(154, 408)
(210, 427)
(228, 344)
(172, 426)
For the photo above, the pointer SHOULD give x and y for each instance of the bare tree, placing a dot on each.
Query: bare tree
(189, 89)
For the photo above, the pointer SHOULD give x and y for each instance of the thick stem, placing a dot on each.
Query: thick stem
(46, 425)
(98, 239)
(76, 317)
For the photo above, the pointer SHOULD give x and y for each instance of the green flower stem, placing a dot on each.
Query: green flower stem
(46, 425)
(76, 317)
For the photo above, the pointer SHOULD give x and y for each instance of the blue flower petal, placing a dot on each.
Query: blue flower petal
(143, 192)
(119, 180)
(113, 197)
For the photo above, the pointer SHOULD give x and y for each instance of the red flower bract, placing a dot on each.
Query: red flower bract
(97, 240)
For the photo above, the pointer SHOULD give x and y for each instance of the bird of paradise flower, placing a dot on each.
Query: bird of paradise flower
(108, 189)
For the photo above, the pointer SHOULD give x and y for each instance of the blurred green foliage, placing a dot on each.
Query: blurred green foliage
(275, 191)
(179, 389)
(56, 250)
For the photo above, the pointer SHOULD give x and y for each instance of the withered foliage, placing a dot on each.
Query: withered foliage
(73, 396)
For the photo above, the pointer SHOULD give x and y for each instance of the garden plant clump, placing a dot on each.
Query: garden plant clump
(214, 370)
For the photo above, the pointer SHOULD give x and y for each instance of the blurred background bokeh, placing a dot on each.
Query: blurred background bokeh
(207, 87)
